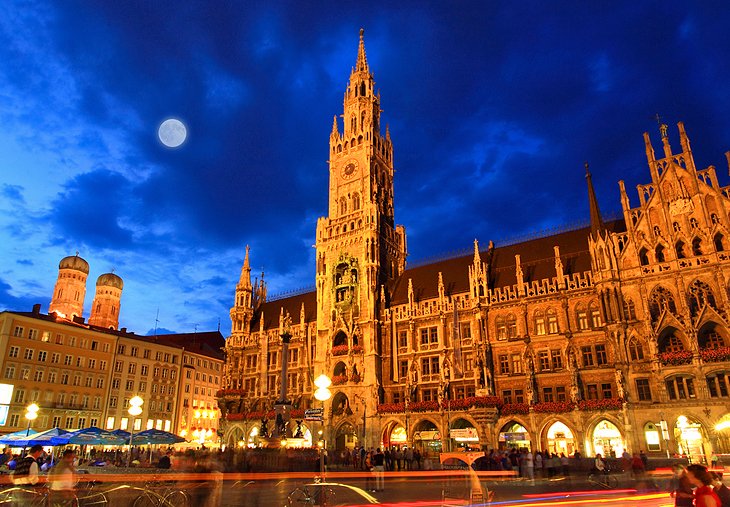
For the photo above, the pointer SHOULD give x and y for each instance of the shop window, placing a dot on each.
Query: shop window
(652, 436)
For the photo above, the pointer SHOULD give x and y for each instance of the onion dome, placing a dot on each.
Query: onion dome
(74, 262)
(110, 280)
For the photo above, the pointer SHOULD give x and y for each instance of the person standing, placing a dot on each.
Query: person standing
(62, 478)
(409, 458)
(26, 471)
(722, 491)
(378, 462)
(529, 464)
(680, 488)
(704, 495)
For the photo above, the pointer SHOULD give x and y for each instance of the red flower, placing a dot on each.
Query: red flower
(675, 358)
(604, 404)
(338, 380)
(339, 350)
(515, 408)
(391, 408)
(356, 349)
(715, 355)
(553, 407)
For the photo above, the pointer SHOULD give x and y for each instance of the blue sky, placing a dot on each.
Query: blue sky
(492, 108)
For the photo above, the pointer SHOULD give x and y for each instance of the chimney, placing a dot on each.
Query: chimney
(37, 309)
(123, 330)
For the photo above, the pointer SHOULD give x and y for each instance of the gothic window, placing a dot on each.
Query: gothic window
(696, 246)
(676, 227)
(680, 388)
(714, 218)
(670, 342)
(700, 295)
(343, 206)
(552, 321)
(601, 259)
(718, 384)
(629, 309)
(540, 323)
(636, 350)
(693, 223)
(659, 301)
(501, 327)
(644, 257)
(657, 232)
(511, 326)
(355, 201)
(681, 250)
(709, 337)
(340, 339)
(659, 253)
(353, 123)
(719, 241)
(595, 314)
(581, 317)
(362, 115)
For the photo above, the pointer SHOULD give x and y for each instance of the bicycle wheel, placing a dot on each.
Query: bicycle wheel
(177, 498)
(147, 499)
(612, 482)
(299, 497)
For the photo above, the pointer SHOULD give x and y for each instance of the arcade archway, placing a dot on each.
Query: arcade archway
(427, 437)
(463, 435)
(345, 437)
(605, 439)
(560, 439)
(692, 440)
(514, 435)
(394, 435)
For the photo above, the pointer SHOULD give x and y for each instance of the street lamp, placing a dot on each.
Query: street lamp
(322, 394)
(31, 413)
(135, 409)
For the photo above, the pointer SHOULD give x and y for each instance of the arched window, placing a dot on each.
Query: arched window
(501, 326)
(693, 223)
(681, 250)
(552, 321)
(719, 241)
(636, 350)
(540, 328)
(355, 201)
(511, 326)
(714, 218)
(718, 384)
(697, 246)
(595, 314)
(676, 227)
(699, 295)
(659, 253)
(670, 342)
(343, 206)
(644, 257)
(661, 300)
(353, 123)
(629, 309)
(581, 317)
(680, 388)
(709, 337)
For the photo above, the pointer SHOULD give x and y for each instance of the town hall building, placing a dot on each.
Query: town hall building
(600, 339)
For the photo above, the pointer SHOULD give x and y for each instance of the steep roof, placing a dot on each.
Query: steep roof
(293, 305)
(537, 260)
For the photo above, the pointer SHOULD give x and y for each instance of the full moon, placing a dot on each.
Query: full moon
(172, 133)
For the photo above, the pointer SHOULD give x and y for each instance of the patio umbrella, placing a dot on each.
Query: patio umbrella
(157, 437)
(17, 434)
(89, 436)
(42, 438)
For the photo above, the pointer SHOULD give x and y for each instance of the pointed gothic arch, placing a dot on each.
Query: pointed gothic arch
(671, 340)
(636, 349)
(719, 242)
(659, 253)
(681, 249)
(696, 246)
(644, 256)
(699, 295)
(661, 300)
(712, 336)
(340, 338)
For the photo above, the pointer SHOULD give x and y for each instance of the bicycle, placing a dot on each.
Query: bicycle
(318, 495)
(161, 494)
(603, 479)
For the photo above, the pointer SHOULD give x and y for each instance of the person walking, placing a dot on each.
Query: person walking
(704, 495)
(680, 488)
(62, 478)
(722, 491)
(529, 463)
(378, 462)
(409, 458)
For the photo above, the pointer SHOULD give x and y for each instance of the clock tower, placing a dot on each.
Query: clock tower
(359, 247)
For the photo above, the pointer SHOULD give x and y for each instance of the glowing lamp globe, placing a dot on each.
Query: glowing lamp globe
(322, 394)
(323, 381)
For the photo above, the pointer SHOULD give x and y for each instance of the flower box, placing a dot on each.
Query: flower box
(473, 401)
(357, 349)
(715, 355)
(339, 350)
(553, 407)
(675, 358)
(604, 404)
(355, 378)
(423, 406)
(391, 408)
(515, 408)
(338, 380)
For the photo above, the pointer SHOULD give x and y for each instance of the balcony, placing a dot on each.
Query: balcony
(715, 355)
(676, 358)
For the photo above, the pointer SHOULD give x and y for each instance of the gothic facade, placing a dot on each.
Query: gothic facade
(600, 339)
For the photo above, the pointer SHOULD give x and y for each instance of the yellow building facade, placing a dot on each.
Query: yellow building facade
(607, 338)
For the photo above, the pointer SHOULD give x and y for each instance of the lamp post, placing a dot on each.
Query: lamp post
(322, 394)
(135, 409)
(31, 413)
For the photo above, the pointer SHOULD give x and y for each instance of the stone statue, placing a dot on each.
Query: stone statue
(299, 433)
(264, 432)
(530, 390)
(620, 384)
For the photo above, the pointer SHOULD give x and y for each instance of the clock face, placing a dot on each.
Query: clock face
(349, 170)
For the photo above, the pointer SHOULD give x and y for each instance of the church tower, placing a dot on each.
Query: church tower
(359, 247)
(70, 289)
(105, 308)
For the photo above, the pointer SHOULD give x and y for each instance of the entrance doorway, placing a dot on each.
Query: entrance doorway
(346, 437)
(560, 439)
(427, 438)
(514, 436)
(690, 437)
(463, 436)
(607, 440)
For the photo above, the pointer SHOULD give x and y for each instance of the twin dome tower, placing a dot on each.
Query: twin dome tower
(70, 291)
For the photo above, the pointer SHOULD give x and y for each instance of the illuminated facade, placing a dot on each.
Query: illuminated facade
(605, 338)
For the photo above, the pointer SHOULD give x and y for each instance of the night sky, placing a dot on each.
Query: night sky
(493, 111)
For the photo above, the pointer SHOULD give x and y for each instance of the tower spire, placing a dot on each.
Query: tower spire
(246, 271)
(596, 221)
(362, 60)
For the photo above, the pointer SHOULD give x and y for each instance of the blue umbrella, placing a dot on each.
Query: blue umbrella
(42, 438)
(122, 433)
(89, 436)
(17, 434)
(154, 436)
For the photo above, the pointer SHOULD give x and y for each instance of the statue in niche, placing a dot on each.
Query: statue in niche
(481, 377)
(280, 425)
(299, 433)
(620, 384)
(264, 432)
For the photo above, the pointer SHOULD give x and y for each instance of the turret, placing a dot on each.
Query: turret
(70, 289)
(107, 301)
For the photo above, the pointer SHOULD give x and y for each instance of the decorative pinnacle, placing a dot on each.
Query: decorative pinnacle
(362, 61)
